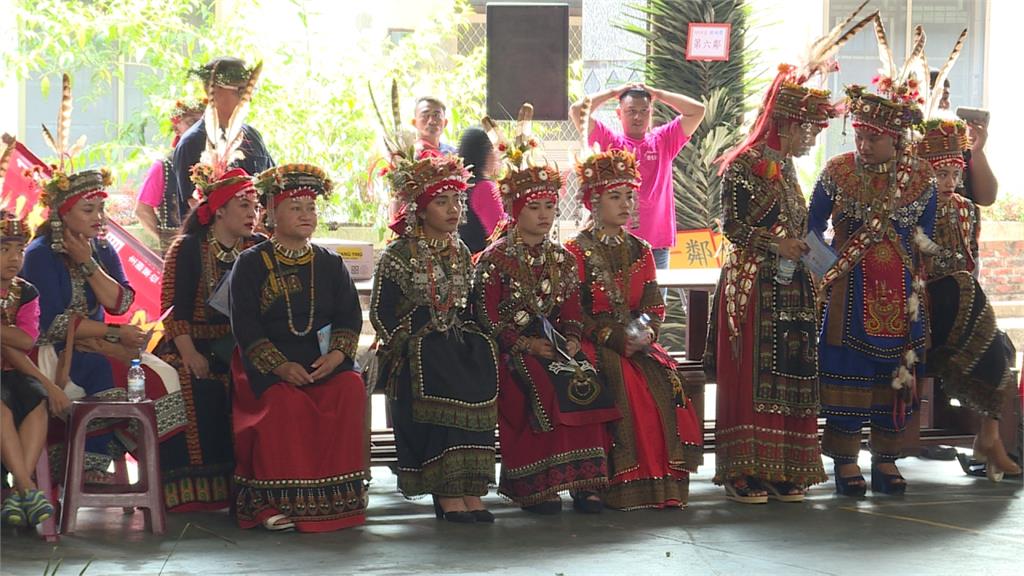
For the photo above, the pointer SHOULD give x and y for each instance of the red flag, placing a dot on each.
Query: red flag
(143, 267)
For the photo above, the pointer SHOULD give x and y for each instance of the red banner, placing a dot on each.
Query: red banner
(143, 268)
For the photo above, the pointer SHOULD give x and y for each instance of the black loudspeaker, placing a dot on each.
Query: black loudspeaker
(528, 60)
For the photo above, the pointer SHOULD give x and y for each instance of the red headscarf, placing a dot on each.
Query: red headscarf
(235, 183)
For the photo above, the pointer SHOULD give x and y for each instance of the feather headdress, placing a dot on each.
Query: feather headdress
(223, 142)
(944, 141)
(62, 187)
(527, 175)
(788, 98)
(215, 179)
(895, 109)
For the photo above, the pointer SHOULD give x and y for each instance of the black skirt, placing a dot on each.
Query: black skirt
(21, 394)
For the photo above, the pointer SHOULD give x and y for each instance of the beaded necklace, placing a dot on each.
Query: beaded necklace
(296, 257)
(612, 249)
(225, 255)
(10, 302)
(446, 272)
(535, 289)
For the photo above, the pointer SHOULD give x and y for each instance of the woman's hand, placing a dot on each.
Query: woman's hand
(196, 364)
(572, 346)
(78, 247)
(293, 373)
(326, 364)
(542, 348)
(793, 248)
(133, 337)
(57, 401)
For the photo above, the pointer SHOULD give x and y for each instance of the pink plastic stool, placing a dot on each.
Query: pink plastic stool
(146, 494)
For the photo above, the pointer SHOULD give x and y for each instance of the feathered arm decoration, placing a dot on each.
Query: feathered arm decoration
(888, 69)
(936, 93)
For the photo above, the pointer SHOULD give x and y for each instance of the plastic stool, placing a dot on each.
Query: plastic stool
(146, 494)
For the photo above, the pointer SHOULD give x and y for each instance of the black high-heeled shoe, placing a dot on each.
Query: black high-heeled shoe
(460, 517)
(581, 502)
(853, 486)
(887, 483)
(483, 516)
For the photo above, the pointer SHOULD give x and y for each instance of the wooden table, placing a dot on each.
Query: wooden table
(698, 283)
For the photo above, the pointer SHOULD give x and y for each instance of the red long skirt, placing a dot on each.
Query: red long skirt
(301, 452)
(536, 465)
(768, 446)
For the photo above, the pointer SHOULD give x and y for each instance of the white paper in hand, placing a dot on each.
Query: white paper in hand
(820, 257)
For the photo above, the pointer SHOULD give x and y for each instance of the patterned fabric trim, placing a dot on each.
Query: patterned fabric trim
(197, 489)
(577, 470)
(768, 454)
(318, 500)
(648, 493)
(265, 356)
(458, 471)
(345, 341)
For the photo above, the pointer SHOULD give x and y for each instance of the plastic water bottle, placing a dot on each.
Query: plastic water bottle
(639, 328)
(784, 271)
(136, 382)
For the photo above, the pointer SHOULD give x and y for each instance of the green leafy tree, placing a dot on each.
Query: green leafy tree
(312, 103)
(723, 86)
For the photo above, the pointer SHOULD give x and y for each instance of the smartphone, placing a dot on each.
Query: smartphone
(973, 115)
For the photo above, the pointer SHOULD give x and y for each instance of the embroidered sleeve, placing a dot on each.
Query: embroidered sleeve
(651, 301)
(347, 320)
(345, 341)
(179, 286)
(488, 290)
(111, 264)
(247, 322)
(58, 329)
(264, 355)
(736, 196)
(387, 300)
(821, 207)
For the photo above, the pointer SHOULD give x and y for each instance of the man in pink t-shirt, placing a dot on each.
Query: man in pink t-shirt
(654, 148)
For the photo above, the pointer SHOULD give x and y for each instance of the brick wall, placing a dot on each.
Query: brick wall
(1002, 262)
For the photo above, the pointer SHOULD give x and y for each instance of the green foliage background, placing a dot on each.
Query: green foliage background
(311, 105)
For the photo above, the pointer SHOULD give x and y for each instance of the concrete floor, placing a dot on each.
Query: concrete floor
(947, 523)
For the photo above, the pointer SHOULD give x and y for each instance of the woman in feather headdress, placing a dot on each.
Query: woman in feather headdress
(656, 443)
(762, 347)
(439, 370)
(552, 406)
(196, 467)
(873, 330)
(969, 355)
(80, 279)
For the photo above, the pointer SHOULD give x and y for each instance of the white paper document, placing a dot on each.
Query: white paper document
(820, 257)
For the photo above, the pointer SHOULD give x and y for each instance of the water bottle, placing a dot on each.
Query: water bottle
(784, 271)
(136, 382)
(639, 328)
